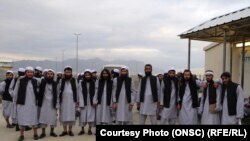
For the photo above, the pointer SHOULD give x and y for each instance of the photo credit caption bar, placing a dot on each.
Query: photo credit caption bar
(176, 132)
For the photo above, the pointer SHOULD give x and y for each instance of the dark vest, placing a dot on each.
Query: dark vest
(193, 91)
(211, 95)
(6, 95)
(85, 91)
(42, 90)
(168, 90)
(231, 97)
(73, 86)
(21, 96)
(127, 82)
(153, 84)
(101, 88)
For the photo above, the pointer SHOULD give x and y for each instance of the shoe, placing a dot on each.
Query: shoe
(21, 138)
(42, 136)
(36, 137)
(9, 126)
(89, 132)
(52, 134)
(81, 133)
(71, 133)
(17, 128)
(63, 134)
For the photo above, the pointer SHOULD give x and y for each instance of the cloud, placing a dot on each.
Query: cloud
(144, 30)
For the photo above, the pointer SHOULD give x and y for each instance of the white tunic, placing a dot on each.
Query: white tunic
(14, 110)
(7, 105)
(103, 111)
(208, 117)
(68, 106)
(148, 107)
(188, 114)
(88, 111)
(234, 119)
(171, 112)
(27, 113)
(122, 112)
(48, 114)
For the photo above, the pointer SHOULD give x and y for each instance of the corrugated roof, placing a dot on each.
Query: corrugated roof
(227, 18)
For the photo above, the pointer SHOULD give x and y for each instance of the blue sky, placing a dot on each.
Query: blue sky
(144, 30)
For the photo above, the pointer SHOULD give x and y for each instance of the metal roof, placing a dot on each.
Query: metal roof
(236, 24)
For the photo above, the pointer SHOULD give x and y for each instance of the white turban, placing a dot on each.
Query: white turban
(29, 68)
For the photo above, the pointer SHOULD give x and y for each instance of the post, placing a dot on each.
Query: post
(243, 63)
(224, 51)
(189, 52)
(77, 52)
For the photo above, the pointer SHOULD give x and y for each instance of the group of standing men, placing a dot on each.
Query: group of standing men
(34, 99)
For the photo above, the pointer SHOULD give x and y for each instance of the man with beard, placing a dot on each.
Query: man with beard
(25, 96)
(47, 100)
(68, 101)
(115, 73)
(210, 101)
(7, 98)
(86, 90)
(123, 97)
(148, 96)
(59, 77)
(20, 73)
(102, 99)
(169, 97)
(188, 103)
(38, 73)
(94, 75)
(232, 100)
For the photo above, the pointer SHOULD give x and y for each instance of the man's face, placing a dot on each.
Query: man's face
(187, 75)
(124, 72)
(29, 73)
(171, 73)
(9, 75)
(87, 75)
(94, 75)
(105, 74)
(148, 69)
(68, 72)
(209, 77)
(50, 75)
(225, 80)
(160, 77)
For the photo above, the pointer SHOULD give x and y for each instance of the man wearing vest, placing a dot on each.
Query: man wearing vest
(169, 97)
(6, 97)
(103, 98)
(232, 100)
(188, 103)
(148, 96)
(26, 96)
(48, 102)
(210, 102)
(123, 97)
(67, 89)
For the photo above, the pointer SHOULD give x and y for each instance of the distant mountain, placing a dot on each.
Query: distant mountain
(96, 63)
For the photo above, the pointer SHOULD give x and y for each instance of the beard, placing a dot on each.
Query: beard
(49, 80)
(68, 77)
(148, 73)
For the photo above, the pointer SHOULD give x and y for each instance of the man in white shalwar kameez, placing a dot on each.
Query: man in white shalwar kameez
(20, 73)
(123, 97)
(67, 89)
(25, 96)
(86, 92)
(48, 102)
(7, 101)
(169, 98)
(232, 99)
(210, 105)
(188, 103)
(103, 98)
(148, 96)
